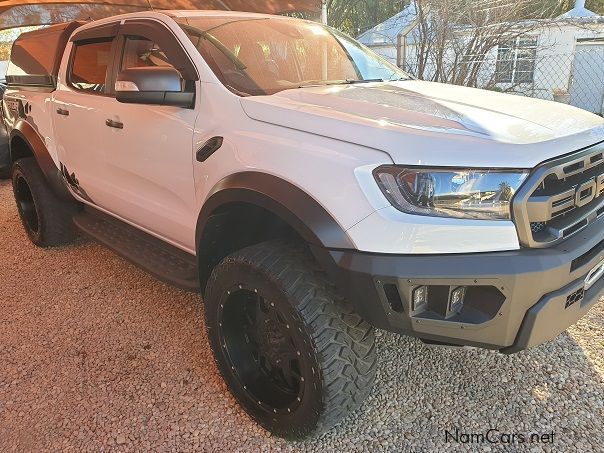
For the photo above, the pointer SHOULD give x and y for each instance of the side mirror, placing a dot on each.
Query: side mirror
(152, 85)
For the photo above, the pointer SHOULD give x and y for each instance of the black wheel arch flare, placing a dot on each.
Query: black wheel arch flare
(283, 199)
(26, 132)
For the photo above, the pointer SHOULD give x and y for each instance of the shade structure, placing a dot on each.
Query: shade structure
(23, 13)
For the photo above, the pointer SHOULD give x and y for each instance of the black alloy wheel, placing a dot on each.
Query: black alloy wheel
(293, 353)
(46, 218)
(26, 205)
(262, 350)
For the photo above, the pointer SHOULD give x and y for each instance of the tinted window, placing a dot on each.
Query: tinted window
(141, 52)
(258, 56)
(89, 65)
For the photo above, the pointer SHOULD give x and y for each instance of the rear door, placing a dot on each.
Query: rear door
(79, 109)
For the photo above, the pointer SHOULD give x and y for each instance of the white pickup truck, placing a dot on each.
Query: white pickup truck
(311, 191)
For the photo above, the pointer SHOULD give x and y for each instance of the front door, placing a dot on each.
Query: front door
(148, 163)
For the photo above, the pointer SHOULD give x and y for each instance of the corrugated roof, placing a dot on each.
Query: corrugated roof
(23, 13)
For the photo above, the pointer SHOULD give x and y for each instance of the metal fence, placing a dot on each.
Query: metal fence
(575, 78)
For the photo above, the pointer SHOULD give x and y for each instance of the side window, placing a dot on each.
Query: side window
(89, 65)
(141, 52)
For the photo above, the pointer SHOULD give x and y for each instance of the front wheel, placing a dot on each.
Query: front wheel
(294, 354)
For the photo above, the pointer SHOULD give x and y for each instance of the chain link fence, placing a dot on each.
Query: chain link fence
(575, 78)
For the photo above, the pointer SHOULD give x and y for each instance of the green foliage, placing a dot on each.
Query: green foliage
(597, 6)
(356, 16)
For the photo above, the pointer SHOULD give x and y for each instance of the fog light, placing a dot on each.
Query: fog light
(456, 299)
(420, 297)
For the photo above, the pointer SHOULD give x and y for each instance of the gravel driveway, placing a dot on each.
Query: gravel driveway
(96, 355)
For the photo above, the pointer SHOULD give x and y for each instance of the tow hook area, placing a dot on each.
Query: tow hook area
(594, 275)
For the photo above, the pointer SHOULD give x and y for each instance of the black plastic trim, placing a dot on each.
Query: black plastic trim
(524, 277)
(303, 213)
(102, 31)
(28, 134)
(162, 260)
(208, 148)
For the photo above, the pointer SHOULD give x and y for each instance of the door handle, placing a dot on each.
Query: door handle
(115, 124)
(63, 112)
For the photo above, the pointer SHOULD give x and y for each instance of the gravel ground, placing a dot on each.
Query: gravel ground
(96, 355)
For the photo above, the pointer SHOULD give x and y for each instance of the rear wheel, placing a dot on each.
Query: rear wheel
(47, 219)
(293, 353)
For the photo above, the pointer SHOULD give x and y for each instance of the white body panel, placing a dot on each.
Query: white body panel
(323, 140)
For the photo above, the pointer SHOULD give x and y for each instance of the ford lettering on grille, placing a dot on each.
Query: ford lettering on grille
(560, 198)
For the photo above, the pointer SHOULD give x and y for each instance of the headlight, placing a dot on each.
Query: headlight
(462, 193)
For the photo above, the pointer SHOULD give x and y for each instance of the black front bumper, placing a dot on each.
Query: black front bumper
(514, 300)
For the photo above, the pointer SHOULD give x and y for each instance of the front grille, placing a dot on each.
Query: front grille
(560, 198)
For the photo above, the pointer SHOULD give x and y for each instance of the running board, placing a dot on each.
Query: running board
(166, 262)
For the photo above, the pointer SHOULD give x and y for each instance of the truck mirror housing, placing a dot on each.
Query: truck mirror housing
(153, 85)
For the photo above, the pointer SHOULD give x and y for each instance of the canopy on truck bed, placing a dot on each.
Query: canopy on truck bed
(36, 55)
(22, 13)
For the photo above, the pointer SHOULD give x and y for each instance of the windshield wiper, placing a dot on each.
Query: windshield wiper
(338, 82)
(352, 82)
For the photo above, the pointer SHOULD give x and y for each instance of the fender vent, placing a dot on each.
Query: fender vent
(393, 297)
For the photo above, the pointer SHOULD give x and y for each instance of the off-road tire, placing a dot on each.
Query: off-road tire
(336, 347)
(46, 218)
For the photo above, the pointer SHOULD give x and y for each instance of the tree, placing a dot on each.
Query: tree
(356, 16)
(597, 6)
(454, 36)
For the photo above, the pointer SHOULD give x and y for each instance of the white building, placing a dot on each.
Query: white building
(564, 55)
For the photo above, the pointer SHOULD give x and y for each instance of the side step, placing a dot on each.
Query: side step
(166, 262)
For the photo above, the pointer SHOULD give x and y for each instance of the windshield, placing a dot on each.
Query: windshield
(262, 55)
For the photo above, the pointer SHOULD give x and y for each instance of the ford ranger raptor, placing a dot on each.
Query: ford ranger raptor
(310, 191)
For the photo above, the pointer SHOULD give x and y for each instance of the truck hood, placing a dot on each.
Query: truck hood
(426, 123)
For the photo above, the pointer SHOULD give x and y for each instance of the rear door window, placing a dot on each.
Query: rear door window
(88, 71)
